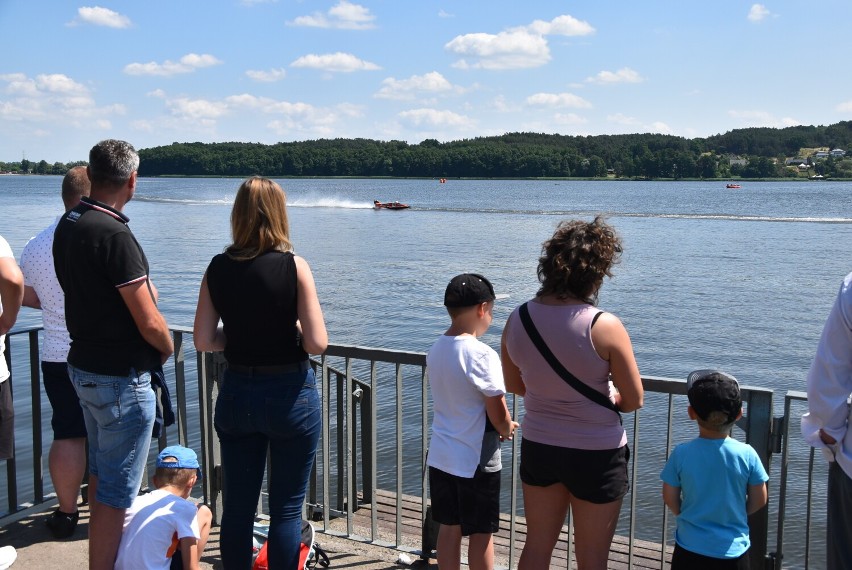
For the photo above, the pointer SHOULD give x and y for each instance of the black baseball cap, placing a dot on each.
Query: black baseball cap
(467, 290)
(714, 391)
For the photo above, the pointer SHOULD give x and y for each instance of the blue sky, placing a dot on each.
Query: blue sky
(161, 71)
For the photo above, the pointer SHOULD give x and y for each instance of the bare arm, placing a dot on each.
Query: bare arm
(498, 414)
(31, 298)
(151, 324)
(207, 334)
(511, 372)
(671, 497)
(11, 292)
(757, 497)
(613, 344)
(314, 334)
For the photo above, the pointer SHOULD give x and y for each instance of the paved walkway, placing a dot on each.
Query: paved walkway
(37, 548)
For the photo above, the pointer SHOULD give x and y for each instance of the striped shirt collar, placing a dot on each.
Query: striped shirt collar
(101, 207)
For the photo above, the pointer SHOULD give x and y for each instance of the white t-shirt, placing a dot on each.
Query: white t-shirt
(150, 525)
(5, 251)
(463, 372)
(39, 273)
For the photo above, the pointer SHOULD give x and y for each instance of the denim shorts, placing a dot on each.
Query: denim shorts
(119, 413)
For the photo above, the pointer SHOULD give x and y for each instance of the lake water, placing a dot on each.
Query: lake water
(740, 280)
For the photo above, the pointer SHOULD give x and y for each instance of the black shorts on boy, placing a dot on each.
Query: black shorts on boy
(595, 475)
(472, 503)
(684, 559)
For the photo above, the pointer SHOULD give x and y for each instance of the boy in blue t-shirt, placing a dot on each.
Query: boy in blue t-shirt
(713, 482)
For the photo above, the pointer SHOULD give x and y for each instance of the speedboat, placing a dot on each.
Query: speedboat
(389, 205)
(732, 185)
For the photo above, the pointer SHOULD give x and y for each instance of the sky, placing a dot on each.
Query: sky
(268, 71)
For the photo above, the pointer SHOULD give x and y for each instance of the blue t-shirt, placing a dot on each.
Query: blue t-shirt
(713, 475)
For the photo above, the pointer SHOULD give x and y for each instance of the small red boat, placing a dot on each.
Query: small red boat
(733, 186)
(389, 205)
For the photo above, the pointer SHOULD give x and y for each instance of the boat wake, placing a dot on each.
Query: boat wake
(328, 202)
(186, 201)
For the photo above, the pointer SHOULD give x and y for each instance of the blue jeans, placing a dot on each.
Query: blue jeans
(254, 414)
(119, 415)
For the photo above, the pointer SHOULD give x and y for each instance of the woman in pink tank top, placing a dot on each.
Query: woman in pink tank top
(574, 449)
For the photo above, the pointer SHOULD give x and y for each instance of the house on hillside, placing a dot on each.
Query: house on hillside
(838, 153)
(734, 159)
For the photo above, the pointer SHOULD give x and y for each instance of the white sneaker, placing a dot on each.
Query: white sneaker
(8, 555)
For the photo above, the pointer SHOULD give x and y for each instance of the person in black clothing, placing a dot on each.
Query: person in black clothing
(268, 402)
(117, 337)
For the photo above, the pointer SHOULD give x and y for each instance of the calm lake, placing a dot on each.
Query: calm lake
(736, 279)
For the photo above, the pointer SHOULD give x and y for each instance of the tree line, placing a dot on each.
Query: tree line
(746, 153)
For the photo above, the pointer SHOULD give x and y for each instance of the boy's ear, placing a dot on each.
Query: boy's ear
(739, 415)
(692, 414)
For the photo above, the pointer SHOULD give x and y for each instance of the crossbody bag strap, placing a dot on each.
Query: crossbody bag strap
(557, 366)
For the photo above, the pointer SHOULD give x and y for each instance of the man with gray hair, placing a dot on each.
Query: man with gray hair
(117, 337)
(67, 458)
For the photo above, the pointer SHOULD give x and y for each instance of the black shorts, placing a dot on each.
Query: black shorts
(594, 475)
(7, 420)
(684, 559)
(473, 503)
(67, 421)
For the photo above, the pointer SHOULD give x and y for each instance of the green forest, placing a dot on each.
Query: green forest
(802, 151)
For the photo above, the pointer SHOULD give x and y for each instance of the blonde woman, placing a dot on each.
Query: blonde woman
(271, 320)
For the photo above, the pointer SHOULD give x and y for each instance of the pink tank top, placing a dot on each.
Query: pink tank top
(555, 413)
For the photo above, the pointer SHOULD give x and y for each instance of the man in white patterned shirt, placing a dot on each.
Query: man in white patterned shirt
(67, 458)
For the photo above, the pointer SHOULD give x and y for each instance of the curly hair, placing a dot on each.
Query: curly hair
(576, 258)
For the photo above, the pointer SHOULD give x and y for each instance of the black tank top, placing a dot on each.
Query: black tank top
(257, 302)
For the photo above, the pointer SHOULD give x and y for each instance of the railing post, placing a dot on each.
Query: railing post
(35, 391)
(759, 435)
(210, 366)
(11, 464)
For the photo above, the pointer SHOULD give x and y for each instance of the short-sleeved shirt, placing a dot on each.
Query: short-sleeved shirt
(150, 526)
(39, 273)
(714, 476)
(256, 299)
(463, 372)
(5, 251)
(95, 254)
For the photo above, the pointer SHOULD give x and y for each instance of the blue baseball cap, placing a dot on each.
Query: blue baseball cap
(179, 457)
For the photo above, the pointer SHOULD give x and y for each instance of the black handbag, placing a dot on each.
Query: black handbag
(557, 366)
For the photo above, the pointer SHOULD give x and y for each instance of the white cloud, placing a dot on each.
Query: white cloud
(343, 15)
(845, 107)
(758, 12)
(187, 64)
(562, 26)
(444, 14)
(196, 108)
(762, 119)
(622, 119)
(558, 100)
(156, 94)
(569, 119)
(54, 99)
(516, 49)
(268, 76)
(407, 89)
(98, 16)
(435, 118)
(341, 62)
(659, 127)
(623, 75)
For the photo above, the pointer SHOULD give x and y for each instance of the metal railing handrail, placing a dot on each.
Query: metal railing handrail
(356, 383)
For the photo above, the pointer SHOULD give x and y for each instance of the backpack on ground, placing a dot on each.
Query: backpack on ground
(310, 553)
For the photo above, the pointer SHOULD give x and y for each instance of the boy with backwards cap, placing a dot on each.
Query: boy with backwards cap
(713, 482)
(163, 529)
(470, 418)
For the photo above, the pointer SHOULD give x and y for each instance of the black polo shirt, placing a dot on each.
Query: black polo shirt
(95, 255)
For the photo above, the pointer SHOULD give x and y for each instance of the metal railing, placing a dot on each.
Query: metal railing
(376, 417)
